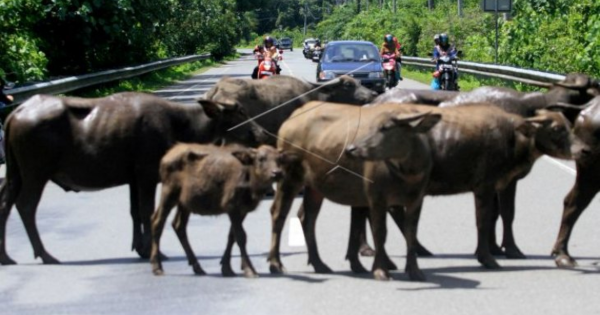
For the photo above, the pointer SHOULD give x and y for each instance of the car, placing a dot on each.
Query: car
(286, 43)
(309, 45)
(359, 59)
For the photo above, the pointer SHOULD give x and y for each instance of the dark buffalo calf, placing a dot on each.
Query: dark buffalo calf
(210, 180)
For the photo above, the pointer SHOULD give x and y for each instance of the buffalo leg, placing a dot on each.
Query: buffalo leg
(365, 250)
(575, 202)
(413, 214)
(168, 200)
(506, 200)
(240, 236)
(146, 192)
(8, 196)
(398, 214)
(287, 189)
(379, 230)
(495, 249)
(357, 222)
(180, 225)
(27, 203)
(138, 242)
(226, 269)
(312, 205)
(484, 203)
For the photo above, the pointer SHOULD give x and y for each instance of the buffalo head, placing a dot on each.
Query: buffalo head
(551, 133)
(347, 90)
(233, 123)
(392, 135)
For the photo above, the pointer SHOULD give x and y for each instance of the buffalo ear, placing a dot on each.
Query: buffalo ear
(212, 109)
(192, 156)
(420, 122)
(531, 125)
(245, 156)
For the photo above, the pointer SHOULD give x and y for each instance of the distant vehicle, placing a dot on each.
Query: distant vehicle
(359, 59)
(309, 45)
(286, 43)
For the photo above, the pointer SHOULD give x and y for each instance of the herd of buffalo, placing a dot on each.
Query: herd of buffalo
(337, 140)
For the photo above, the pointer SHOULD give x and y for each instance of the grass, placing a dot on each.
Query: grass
(153, 80)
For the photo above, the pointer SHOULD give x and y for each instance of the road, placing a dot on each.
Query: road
(91, 234)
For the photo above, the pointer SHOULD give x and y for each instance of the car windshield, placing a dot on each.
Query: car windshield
(351, 53)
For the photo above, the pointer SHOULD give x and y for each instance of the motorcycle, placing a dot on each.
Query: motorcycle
(267, 68)
(389, 70)
(307, 52)
(447, 72)
(316, 55)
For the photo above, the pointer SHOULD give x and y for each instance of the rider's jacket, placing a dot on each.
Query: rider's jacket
(439, 51)
(389, 49)
(267, 52)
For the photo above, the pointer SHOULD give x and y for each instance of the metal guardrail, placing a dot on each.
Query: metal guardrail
(531, 77)
(77, 82)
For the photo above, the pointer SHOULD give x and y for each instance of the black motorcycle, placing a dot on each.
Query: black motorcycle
(448, 72)
(307, 52)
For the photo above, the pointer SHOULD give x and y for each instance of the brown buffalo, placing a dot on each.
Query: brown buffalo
(576, 89)
(586, 153)
(92, 144)
(210, 180)
(272, 101)
(419, 163)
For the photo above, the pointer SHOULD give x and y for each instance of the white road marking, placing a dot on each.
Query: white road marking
(296, 236)
(560, 165)
(287, 67)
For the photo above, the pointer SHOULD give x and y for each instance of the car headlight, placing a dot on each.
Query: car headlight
(375, 75)
(326, 75)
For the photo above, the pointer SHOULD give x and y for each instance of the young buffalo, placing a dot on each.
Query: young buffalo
(211, 180)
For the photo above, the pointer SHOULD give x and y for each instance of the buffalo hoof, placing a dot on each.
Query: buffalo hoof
(198, 270)
(366, 251)
(5, 260)
(496, 250)
(226, 271)
(423, 252)
(489, 263)
(250, 273)
(277, 269)
(514, 253)
(322, 268)
(158, 272)
(143, 251)
(357, 267)
(565, 261)
(49, 260)
(416, 275)
(381, 274)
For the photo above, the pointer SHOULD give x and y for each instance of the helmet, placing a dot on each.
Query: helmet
(318, 42)
(395, 40)
(388, 38)
(436, 38)
(268, 40)
(444, 40)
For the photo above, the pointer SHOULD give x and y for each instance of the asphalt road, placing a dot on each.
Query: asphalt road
(91, 234)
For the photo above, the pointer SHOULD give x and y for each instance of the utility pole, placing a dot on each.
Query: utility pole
(394, 6)
(380, 4)
(430, 4)
(305, 14)
(460, 8)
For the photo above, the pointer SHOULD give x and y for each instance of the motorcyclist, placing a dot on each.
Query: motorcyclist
(443, 49)
(5, 100)
(268, 49)
(399, 47)
(391, 47)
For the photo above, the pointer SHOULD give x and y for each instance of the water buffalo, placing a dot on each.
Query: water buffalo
(272, 101)
(92, 144)
(586, 153)
(210, 180)
(575, 89)
(419, 163)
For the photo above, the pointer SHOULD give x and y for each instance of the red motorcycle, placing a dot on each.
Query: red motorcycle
(267, 67)
(389, 69)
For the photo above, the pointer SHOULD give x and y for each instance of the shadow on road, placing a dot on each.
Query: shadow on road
(191, 89)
